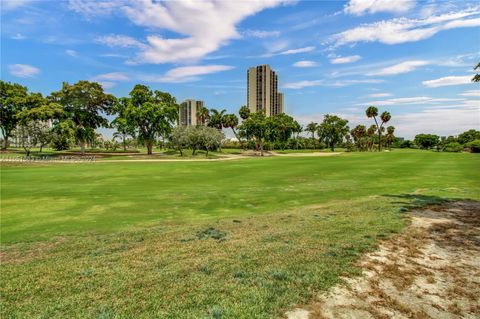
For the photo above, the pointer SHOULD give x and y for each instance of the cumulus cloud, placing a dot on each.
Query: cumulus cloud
(448, 80)
(203, 26)
(345, 59)
(190, 73)
(402, 30)
(305, 64)
(175, 75)
(23, 70)
(404, 67)
(360, 7)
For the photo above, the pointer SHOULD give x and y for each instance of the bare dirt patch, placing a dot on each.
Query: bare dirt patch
(431, 270)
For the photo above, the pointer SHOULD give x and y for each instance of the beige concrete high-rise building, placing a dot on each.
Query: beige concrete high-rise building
(187, 113)
(262, 91)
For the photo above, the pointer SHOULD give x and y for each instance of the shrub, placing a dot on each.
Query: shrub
(453, 147)
(474, 146)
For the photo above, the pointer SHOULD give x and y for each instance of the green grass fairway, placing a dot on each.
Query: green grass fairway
(245, 238)
(43, 201)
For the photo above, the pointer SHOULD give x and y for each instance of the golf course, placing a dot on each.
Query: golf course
(244, 238)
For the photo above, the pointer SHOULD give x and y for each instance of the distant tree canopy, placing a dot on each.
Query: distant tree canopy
(333, 130)
(427, 141)
(468, 136)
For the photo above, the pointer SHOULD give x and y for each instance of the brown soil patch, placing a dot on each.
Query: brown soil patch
(431, 270)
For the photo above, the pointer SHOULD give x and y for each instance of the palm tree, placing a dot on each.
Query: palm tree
(231, 121)
(372, 111)
(216, 118)
(312, 128)
(390, 136)
(203, 115)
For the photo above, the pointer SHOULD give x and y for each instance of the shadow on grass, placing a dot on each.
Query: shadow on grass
(415, 201)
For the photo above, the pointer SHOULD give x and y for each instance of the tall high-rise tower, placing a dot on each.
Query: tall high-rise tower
(187, 113)
(262, 91)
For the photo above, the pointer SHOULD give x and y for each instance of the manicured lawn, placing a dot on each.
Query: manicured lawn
(237, 239)
(44, 201)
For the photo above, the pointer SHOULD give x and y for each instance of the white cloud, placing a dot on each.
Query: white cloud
(190, 73)
(18, 36)
(345, 59)
(260, 33)
(112, 76)
(379, 95)
(118, 40)
(302, 84)
(404, 67)
(71, 53)
(305, 64)
(299, 50)
(107, 84)
(416, 100)
(342, 83)
(91, 9)
(359, 7)
(203, 26)
(338, 83)
(23, 70)
(175, 75)
(471, 93)
(402, 30)
(8, 5)
(448, 80)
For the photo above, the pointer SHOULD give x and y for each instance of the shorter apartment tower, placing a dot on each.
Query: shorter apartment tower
(187, 113)
(262, 91)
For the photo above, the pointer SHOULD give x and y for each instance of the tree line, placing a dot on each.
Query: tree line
(70, 116)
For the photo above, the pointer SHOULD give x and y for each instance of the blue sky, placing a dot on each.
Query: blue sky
(412, 58)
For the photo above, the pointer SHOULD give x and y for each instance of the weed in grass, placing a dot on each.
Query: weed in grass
(211, 232)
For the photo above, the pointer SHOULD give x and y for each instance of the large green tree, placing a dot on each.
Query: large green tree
(468, 136)
(12, 100)
(257, 126)
(85, 104)
(152, 113)
(123, 128)
(333, 130)
(244, 112)
(427, 141)
(372, 111)
(203, 115)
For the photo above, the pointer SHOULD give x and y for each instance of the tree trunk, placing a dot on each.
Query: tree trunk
(82, 147)
(206, 155)
(124, 144)
(379, 140)
(41, 146)
(332, 147)
(149, 145)
(238, 139)
(261, 148)
(5, 142)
